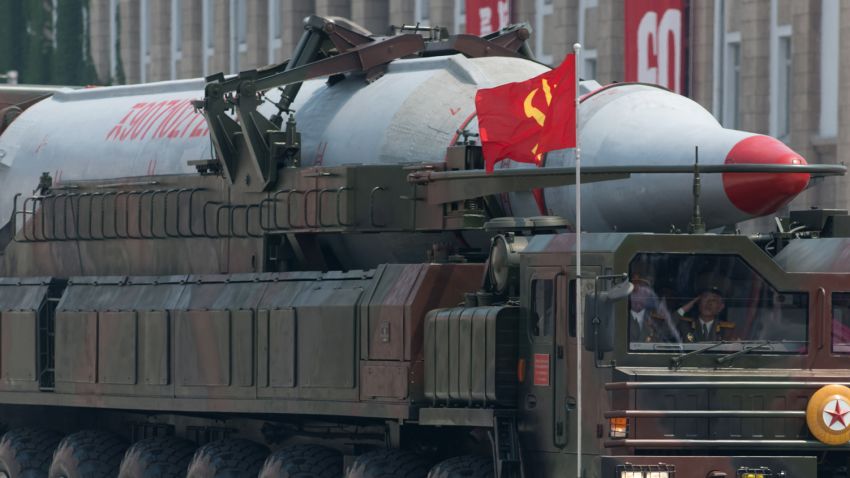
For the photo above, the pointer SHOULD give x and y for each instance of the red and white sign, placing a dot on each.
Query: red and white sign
(541, 370)
(487, 16)
(655, 42)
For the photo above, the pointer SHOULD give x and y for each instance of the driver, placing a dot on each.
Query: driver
(707, 325)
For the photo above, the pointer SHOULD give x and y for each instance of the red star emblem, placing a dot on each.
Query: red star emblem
(837, 414)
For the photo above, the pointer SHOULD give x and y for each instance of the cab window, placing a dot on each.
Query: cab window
(841, 322)
(682, 301)
(542, 307)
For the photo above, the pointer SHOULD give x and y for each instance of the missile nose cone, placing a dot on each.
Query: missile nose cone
(762, 193)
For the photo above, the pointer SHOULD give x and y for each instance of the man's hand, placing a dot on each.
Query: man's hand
(690, 305)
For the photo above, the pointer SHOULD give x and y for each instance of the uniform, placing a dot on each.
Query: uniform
(652, 329)
(694, 330)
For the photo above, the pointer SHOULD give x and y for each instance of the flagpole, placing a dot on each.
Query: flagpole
(579, 301)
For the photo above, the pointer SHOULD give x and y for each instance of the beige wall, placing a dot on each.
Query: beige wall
(371, 14)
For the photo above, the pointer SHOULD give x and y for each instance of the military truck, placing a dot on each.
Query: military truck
(182, 295)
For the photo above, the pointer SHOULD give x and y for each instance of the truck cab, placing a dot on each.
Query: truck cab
(711, 367)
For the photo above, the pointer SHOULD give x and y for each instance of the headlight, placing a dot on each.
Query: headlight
(644, 474)
(660, 470)
(619, 428)
(758, 472)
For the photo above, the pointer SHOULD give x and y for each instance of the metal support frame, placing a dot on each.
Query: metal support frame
(327, 48)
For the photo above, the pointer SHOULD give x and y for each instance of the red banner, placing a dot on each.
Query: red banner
(656, 39)
(487, 16)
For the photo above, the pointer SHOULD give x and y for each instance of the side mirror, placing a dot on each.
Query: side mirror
(599, 311)
(618, 292)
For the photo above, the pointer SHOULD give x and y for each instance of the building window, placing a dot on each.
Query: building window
(542, 12)
(54, 18)
(422, 12)
(144, 40)
(830, 33)
(176, 36)
(242, 25)
(588, 66)
(718, 64)
(731, 111)
(238, 32)
(275, 35)
(460, 16)
(780, 75)
(207, 33)
(113, 40)
(783, 88)
(85, 13)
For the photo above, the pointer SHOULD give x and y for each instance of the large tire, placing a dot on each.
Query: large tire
(389, 464)
(303, 461)
(231, 458)
(464, 467)
(166, 457)
(88, 454)
(26, 452)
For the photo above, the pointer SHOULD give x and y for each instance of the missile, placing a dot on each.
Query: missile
(415, 110)
(638, 124)
(411, 114)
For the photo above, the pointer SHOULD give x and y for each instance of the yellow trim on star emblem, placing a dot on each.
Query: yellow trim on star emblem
(831, 402)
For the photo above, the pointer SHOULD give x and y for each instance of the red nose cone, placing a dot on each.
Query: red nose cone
(763, 193)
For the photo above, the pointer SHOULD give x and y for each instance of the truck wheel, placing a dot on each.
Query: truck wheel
(231, 458)
(165, 457)
(301, 461)
(88, 454)
(464, 467)
(26, 452)
(389, 464)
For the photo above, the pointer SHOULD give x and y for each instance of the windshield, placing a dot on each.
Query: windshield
(682, 302)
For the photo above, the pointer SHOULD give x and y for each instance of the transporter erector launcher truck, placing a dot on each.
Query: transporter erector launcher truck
(304, 270)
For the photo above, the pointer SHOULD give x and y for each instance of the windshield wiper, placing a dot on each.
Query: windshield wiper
(731, 357)
(676, 361)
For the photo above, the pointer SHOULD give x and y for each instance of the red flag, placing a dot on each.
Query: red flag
(523, 120)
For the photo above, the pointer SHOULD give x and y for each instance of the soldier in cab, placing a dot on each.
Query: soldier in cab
(645, 321)
(705, 324)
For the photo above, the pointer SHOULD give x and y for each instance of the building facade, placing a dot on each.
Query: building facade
(776, 67)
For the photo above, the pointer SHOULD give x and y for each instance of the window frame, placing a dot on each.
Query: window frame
(533, 315)
(660, 348)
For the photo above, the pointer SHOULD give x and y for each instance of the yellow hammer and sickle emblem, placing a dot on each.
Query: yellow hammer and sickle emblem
(533, 112)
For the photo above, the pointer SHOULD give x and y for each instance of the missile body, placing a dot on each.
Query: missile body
(411, 114)
(414, 111)
(636, 124)
(103, 133)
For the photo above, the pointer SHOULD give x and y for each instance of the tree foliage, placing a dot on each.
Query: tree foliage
(11, 29)
(46, 41)
(119, 78)
(37, 43)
